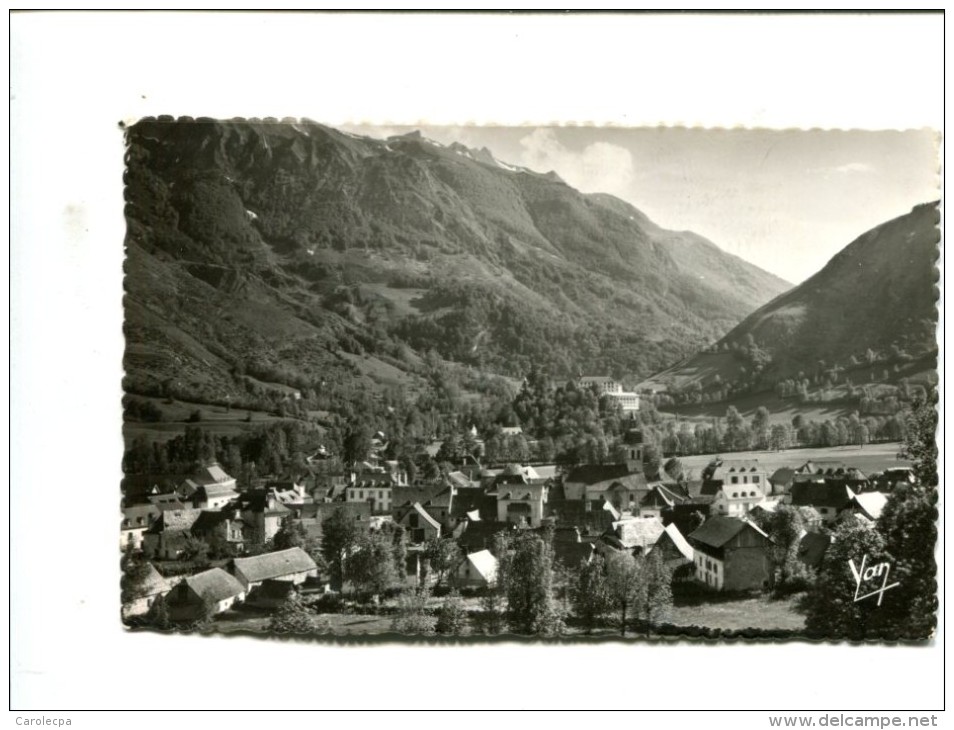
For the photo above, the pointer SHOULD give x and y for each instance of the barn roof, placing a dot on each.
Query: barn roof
(215, 584)
(274, 565)
(821, 494)
(639, 531)
(425, 516)
(673, 535)
(717, 531)
(871, 503)
(484, 563)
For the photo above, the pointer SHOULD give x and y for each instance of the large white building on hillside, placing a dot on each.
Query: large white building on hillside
(613, 389)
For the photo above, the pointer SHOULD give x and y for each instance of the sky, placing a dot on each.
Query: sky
(787, 201)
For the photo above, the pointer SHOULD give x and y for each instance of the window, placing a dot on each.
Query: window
(755, 480)
(735, 480)
(735, 495)
(745, 480)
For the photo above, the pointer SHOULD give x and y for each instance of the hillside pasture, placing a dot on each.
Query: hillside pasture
(781, 410)
(701, 368)
(871, 458)
(215, 419)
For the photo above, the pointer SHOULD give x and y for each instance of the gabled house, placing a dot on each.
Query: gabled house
(213, 496)
(437, 500)
(477, 570)
(136, 520)
(828, 497)
(168, 501)
(213, 590)
(594, 484)
(169, 535)
(376, 490)
(290, 492)
(293, 565)
(418, 524)
(473, 505)
(262, 512)
(732, 554)
(522, 504)
(737, 500)
(660, 498)
(833, 471)
(220, 488)
(476, 536)
(868, 504)
(677, 554)
(223, 526)
(635, 534)
(740, 474)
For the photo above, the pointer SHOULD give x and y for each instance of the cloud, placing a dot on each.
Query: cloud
(599, 167)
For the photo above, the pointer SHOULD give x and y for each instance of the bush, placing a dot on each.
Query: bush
(329, 603)
(451, 618)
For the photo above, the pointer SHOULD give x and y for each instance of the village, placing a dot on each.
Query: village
(363, 536)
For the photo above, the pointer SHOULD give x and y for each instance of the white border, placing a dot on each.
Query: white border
(75, 76)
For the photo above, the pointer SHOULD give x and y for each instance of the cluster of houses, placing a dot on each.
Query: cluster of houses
(704, 530)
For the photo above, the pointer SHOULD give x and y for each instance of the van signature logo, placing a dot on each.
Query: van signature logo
(866, 576)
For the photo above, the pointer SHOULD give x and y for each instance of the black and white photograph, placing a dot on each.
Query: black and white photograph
(436, 346)
(456, 382)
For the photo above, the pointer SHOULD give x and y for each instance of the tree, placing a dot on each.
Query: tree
(136, 572)
(590, 593)
(357, 444)
(908, 524)
(492, 617)
(371, 567)
(451, 618)
(528, 572)
(920, 444)
(339, 536)
(195, 550)
(760, 425)
(655, 595)
(412, 617)
(443, 555)
(785, 526)
(779, 437)
(158, 615)
(623, 584)
(652, 459)
(831, 610)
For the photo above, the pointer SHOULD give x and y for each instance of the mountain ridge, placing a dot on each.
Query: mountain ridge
(875, 301)
(393, 248)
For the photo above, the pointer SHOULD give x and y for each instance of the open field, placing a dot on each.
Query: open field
(747, 613)
(873, 457)
(215, 419)
(759, 613)
(781, 410)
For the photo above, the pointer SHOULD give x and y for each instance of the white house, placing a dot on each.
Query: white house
(735, 500)
(214, 587)
(477, 570)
